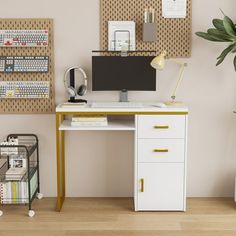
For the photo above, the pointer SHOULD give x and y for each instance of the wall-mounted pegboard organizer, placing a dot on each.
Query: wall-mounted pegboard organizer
(29, 106)
(174, 35)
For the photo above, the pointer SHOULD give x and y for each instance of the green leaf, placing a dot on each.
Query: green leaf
(221, 35)
(234, 48)
(218, 23)
(209, 37)
(235, 63)
(224, 54)
(220, 61)
(229, 26)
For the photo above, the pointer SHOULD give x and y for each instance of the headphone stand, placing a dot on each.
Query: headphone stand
(73, 100)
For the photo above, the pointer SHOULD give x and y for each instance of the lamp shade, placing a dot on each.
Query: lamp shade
(158, 62)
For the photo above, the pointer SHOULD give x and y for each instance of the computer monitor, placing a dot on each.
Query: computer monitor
(116, 73)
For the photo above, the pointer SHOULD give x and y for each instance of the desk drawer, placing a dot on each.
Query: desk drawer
(161, 150)
(161, 126)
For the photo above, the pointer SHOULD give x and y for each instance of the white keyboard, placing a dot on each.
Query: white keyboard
(117, 105)
(24, 89)
(23, 38)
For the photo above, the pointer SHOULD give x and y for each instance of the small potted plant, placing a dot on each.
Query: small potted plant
(223, 31)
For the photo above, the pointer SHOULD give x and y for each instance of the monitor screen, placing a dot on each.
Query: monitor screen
(116, 73)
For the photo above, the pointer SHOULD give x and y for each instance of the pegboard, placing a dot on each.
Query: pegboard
(29, 106)
(174, 35)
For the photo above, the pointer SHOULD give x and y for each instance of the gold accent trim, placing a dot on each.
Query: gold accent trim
(59, 199)
(160, 150)
(121, 113)
(161, 127)
(60, 149)
(142, 186)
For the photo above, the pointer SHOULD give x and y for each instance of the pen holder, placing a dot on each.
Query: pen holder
(149, 32)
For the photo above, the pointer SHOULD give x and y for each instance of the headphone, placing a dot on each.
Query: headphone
(71, 90)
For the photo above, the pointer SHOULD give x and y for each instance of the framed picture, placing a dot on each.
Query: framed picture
(16, 162)
(121, 35)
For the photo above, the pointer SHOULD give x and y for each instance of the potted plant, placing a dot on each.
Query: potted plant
(223, 31)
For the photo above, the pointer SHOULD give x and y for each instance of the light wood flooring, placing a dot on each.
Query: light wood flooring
(115, 217)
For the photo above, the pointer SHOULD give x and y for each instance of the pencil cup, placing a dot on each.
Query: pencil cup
(149, 32)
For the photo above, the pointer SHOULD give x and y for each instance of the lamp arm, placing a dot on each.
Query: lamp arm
(180, 78)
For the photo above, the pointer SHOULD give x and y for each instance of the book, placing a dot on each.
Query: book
(89, 118)
(80, 104)
(1, 192)
(9, 150)
(16, 192)
(90, 124)
(15, 173)
(121, 35)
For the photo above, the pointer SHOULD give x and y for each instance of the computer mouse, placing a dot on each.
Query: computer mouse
(160, 105)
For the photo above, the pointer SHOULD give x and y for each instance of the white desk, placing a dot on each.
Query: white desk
(160, 136)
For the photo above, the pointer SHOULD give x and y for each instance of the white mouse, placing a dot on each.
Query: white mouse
(160, 105)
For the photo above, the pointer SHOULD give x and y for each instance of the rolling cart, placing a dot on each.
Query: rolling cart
(19, 171)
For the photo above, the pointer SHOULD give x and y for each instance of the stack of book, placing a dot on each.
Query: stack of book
(15, 174)
(92, 121)
(15, 192)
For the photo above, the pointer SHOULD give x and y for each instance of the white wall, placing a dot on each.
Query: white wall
(100, 164)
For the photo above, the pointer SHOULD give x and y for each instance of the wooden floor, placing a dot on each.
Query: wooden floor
(115, 217)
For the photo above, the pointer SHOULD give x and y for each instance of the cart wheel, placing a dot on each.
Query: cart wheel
(31, 213)
(40, 196)
(1, 213)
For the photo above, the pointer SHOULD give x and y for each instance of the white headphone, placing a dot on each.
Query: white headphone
(82, 89)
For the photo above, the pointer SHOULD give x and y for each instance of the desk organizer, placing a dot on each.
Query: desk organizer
(17, 190)
(174, 35)
(29, 106)
(149, 32)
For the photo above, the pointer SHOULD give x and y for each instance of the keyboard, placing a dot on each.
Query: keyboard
(117, 105)
(24, 89)
(23, 38)
(23, 64)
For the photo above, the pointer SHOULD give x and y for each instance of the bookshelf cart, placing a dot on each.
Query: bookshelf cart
(21, 189)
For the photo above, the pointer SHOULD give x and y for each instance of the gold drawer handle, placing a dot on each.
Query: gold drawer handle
(161, 150)
(142, 186)
(161, 127)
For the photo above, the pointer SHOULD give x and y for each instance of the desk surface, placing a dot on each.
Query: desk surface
(148, 108)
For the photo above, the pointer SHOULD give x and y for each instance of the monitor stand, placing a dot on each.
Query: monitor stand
(124, 95)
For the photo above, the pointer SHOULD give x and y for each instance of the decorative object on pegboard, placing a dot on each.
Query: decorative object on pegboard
(174, 35)
(121, 35)
(38, 105)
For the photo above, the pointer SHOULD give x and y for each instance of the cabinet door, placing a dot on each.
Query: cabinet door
(161, 187)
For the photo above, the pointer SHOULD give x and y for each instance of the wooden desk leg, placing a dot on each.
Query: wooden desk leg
(60, 163)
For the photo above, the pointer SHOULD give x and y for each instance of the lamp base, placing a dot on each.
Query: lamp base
(173, 103)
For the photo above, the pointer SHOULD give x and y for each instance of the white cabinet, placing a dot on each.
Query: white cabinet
(161, 186)
(160, 163)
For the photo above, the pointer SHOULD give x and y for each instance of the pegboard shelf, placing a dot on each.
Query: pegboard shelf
(29, 106)
(173, 35)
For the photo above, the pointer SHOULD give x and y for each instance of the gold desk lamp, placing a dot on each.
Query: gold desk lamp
(158, 63)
